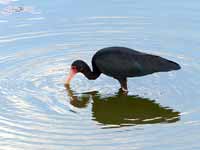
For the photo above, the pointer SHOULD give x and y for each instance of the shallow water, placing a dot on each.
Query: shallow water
(39, 41)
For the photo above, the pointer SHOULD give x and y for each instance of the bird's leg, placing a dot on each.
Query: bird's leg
(122, 93)
(123, 83)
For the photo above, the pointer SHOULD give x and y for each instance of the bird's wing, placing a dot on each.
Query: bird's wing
(117, 65)
(123, 65)
(152, 63)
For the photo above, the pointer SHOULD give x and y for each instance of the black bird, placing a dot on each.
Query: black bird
(121, 63)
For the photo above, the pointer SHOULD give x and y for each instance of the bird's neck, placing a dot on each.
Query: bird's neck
(91, 75)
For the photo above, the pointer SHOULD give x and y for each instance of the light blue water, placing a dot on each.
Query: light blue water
(40, 39)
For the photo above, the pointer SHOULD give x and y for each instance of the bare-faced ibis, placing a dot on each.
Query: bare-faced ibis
(121, 63)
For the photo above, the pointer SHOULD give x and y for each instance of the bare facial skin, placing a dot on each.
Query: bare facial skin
(72, 73)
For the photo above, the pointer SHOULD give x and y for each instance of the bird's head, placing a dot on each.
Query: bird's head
(76, 67)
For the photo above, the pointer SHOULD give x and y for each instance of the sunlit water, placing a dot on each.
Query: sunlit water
(40, 39)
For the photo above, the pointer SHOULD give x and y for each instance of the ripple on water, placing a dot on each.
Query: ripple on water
(38, 111)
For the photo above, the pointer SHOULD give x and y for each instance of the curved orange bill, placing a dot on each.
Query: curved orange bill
(70, 76)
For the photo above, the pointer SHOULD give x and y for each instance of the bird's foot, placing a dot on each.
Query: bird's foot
(123, 91)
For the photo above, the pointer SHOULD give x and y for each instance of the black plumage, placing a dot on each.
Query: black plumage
(121, 63)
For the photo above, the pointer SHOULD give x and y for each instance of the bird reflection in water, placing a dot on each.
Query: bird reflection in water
(123, 110)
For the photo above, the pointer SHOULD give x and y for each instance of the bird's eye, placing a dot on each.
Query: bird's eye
(73, 67)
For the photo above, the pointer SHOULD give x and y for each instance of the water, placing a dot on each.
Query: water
(38, 42)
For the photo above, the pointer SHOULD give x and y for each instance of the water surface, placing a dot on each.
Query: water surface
(39, 41)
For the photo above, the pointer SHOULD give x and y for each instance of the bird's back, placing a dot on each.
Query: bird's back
(121, 62)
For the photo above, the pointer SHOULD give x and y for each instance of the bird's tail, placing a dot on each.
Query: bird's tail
(168, 65)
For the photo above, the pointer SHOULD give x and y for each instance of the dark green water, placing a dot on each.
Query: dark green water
(122, 109)
(40, 39)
